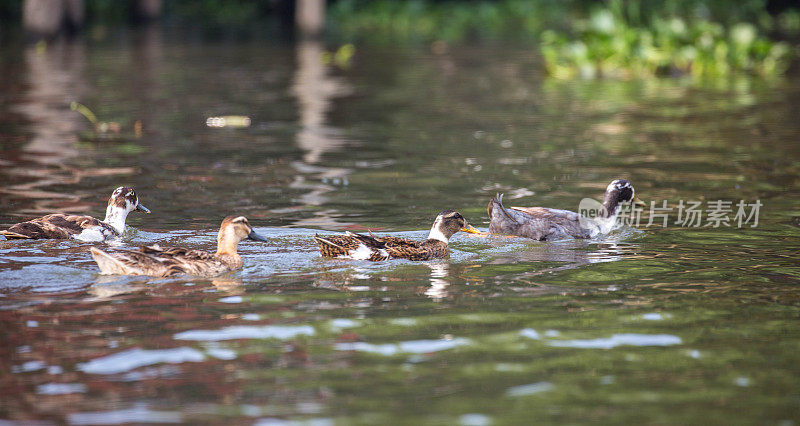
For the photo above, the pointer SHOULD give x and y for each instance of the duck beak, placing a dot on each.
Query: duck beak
(142, 208)
(638, 202)
(471, 229)
(255, 237)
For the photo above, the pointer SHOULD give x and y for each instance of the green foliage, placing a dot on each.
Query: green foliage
(419, 20)
(609, 44)
(700, 38)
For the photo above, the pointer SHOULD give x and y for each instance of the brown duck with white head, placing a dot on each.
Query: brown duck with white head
(546, 224)
(370, 247)
(86, 228)
(166, 261)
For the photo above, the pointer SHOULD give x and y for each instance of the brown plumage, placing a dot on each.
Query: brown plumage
(64, 226)
(168, 261)
(55, 226)
(545, 224)
(363, 247)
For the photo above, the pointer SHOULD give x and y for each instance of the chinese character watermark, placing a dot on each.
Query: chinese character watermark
(690, 214)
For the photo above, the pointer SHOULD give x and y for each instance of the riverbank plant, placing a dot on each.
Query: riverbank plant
(616, 39)
(608, 44)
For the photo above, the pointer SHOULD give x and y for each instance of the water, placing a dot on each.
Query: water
(657, 325)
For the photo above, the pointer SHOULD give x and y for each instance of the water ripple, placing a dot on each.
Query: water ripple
(247, 332)
(137, 357)
(627, 339)
(413, 346)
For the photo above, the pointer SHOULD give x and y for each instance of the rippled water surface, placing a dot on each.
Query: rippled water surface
(652, 325)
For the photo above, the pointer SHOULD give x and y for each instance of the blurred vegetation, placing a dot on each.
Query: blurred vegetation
(578, 38)
(700, 38)
(618, 40)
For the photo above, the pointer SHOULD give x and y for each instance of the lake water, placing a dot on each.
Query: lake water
(657, 325)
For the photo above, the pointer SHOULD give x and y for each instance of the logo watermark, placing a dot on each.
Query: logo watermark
(690, 214)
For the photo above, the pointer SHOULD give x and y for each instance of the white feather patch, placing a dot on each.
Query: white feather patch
(436, 234)
(93, 234)
(115, 216)
(361, 253)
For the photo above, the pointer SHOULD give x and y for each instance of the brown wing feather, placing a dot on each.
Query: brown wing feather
(180, 260)
(412, 250)
(55, 226)
(336, 245)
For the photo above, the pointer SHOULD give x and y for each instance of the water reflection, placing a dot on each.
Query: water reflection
(570, 254)
(55, 76)
(314, 90)
(438, 288)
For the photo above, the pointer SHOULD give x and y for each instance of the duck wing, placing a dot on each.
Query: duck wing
(59, 226)
(413, 250)
(180, 260)
(354, 246)
(403, 248)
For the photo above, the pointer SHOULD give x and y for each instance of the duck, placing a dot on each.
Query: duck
(85, 228)
(369, 247)
(546, 224)
(160, 261)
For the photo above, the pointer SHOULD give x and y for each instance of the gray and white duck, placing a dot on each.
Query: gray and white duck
(80, 227)
(546, 224)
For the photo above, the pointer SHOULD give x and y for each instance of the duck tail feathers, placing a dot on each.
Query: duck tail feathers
(14, 236)
(327, 242)
(497, 201)
(108, 264)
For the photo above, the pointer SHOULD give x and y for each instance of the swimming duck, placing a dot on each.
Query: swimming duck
(86, 228)
(166, 261)
(363, 247)
(544, 224)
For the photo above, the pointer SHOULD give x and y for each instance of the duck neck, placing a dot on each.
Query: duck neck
(226, 244)
(115, 217)
(437, 234)
(607, 216)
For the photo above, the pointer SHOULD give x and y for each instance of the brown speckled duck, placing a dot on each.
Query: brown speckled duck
(163, 262)
(86, 228)
(545, 224)
(363, 247)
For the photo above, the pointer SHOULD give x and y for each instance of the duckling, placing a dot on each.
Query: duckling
(545, 224)
(163, 262)
(363, 247)
(85, 228)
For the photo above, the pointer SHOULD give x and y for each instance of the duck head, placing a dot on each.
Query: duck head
(447, 224)
(232, 230)
(619, 192)
(122, 201)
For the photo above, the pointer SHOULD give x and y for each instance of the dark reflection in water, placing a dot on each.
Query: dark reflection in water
(654, 325)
